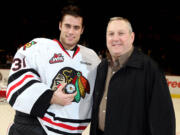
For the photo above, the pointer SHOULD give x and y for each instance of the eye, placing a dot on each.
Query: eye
(121, 33)
(57, 81)
(76, 27)
(110, 34)
(67, 25)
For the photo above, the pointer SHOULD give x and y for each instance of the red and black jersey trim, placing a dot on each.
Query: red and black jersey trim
(61, 132)
(76, 49)
(63, 123)
(22, 89)
(67, 120)
(43, 102)
(17, 75)
(21, 72)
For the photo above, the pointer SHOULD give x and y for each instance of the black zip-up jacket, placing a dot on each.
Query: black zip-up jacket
(138, 99)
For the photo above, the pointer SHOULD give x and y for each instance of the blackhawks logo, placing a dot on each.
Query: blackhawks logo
(75, 82)
(28, 45)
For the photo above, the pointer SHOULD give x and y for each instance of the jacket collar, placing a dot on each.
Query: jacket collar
(136, 59)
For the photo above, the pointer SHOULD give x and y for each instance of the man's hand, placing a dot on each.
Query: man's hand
(59, 97)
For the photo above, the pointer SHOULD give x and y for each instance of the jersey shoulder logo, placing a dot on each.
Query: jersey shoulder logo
(56, 58)
(28, 45)
(75, 82)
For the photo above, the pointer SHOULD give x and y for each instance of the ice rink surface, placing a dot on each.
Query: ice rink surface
(7, 115)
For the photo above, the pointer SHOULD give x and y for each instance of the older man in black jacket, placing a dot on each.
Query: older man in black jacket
(131, 95)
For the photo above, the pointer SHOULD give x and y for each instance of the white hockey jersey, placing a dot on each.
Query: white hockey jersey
(38, 68)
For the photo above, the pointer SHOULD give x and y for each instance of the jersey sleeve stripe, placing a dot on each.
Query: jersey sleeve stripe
(17, 84)
(18, 92)
(21, 72)
(65, 126)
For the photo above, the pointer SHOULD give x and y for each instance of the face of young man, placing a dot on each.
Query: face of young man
(119, 39)
(71, 30)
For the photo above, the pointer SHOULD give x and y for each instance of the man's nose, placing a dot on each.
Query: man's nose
(71, 30)
(116, 37)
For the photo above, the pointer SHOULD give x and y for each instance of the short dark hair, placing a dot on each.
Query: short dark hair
(71, 10)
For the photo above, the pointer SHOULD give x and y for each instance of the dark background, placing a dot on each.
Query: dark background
(155, 23)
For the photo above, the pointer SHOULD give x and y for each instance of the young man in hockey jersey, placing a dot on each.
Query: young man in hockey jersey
(51, 82)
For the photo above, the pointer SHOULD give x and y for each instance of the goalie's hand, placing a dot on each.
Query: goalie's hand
(61, 98)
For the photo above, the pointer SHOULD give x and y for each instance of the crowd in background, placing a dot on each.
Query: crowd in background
(6, 59)
(160, 55)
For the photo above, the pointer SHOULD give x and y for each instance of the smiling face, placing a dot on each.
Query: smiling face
(119, 38)
(71, 29)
